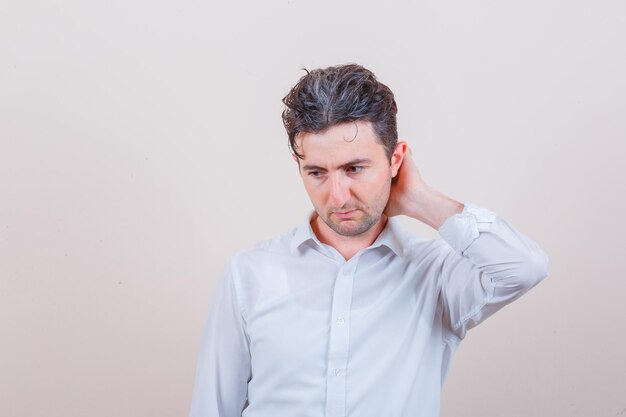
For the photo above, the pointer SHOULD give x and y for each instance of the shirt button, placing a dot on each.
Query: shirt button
(346, 272)
(337, 371)
(341, 320)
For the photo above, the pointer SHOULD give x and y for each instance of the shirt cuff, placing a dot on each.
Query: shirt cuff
(461, 229)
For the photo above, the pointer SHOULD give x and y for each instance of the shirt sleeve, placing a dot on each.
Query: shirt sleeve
(223, 369)
(491, 265)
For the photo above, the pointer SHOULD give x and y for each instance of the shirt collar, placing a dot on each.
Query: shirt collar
(303, 233)
(391, 236)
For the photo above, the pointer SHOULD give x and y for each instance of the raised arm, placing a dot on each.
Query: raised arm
(490, 263)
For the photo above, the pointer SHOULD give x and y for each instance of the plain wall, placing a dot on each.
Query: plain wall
(141, 145)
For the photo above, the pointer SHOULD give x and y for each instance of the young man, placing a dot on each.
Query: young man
(348, 314)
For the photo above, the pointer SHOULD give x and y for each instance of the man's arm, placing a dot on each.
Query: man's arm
(223, 368)
(491, 263)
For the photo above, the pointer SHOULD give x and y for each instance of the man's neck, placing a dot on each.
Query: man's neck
(347, 246)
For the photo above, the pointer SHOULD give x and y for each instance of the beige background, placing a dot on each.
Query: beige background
(141, 145)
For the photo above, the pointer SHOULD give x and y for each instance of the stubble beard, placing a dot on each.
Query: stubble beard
(362, 225)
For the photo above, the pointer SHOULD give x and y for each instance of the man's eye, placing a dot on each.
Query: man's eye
(355, 169)
(315, 174)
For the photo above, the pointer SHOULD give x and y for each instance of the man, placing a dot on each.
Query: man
(348, 314)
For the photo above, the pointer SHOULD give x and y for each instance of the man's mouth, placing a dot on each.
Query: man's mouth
(345, 214)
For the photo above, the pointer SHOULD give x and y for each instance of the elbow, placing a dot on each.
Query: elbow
(535, 269)
(526, 271)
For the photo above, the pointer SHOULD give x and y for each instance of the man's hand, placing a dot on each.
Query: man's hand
(406, 188)
(412, 197)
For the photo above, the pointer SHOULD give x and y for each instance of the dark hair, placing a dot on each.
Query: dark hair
(329, 96)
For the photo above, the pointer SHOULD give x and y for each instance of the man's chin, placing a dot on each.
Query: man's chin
(351, 227)
(345, 230)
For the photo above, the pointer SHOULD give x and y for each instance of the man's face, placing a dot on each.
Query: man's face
(347, 175)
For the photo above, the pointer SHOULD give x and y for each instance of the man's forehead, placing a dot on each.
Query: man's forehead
(348, 132)
(343, 141)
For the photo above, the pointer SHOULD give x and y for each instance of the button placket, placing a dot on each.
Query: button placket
(339, 343)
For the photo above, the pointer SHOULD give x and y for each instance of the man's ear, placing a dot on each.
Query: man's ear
(397, 157)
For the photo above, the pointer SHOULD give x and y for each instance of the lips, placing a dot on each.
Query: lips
(345, 214)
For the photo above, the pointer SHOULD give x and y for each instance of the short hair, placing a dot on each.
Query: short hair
(325, 97)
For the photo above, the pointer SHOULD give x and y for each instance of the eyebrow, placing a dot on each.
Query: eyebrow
(358, 161)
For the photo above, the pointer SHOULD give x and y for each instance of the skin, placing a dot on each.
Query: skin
(354, 187)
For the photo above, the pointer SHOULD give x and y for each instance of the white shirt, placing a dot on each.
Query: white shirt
(295, 330)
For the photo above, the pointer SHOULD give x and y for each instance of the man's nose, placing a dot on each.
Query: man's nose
(339, 191)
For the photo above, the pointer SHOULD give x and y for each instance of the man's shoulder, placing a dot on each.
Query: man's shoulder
(275, 246)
